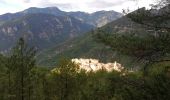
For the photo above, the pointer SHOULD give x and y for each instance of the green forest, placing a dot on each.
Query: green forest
(22, 79)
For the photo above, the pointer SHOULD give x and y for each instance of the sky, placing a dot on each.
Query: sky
(73, 5)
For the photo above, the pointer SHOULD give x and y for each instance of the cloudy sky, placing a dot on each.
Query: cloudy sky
(72, 5)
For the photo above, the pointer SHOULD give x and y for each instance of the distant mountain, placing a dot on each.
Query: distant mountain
(49, 10)
(96, 19)
(46, 27)
(41, 30)
(32, 10)
(9, 16)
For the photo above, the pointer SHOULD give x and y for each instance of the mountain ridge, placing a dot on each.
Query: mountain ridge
(87, 17)
(20, 24)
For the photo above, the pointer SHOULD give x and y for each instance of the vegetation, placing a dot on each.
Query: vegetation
(150, 48)
(22, 79)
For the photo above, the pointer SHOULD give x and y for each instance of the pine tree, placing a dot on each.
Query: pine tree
(22, 61)
(150, 49)
(64, 80)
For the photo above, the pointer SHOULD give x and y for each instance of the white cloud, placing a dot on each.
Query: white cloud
(72, 5)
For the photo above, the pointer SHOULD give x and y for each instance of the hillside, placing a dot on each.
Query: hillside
(41, 30)
(87, 47)
(82, 47)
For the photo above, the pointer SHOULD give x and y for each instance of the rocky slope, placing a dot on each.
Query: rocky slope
(97, 19)
(41, 30)
(46, 27)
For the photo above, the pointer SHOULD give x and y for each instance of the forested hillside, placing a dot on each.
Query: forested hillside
(82, 47)
(21, 79)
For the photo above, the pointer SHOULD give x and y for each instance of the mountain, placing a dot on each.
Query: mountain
(41, 30)
(87, 47)
(9, 16)
(49, 10)
(46, 27)
(96, 19)
(33, 10)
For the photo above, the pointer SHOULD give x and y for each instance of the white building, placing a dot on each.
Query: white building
(95, 65)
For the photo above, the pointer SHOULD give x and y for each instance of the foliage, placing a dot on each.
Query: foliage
(67, 82)
(150, 48)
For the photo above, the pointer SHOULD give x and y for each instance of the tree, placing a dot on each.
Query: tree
(63, 81)
(150, 49)
(3, 78)
(21, 63)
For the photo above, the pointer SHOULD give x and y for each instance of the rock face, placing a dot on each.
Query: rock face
(94, 65)
(47, 27)
(41, 30)
(97, 19)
